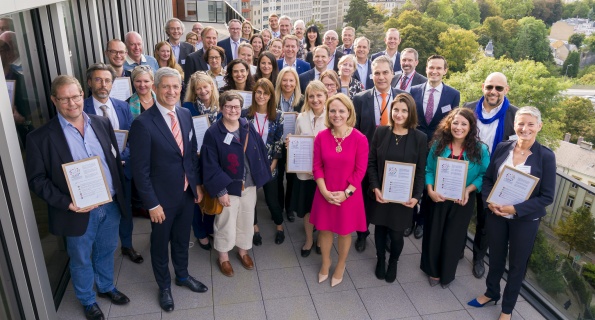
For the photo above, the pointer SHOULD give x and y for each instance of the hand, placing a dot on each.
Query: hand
(331, 198)
(496, 209)
(378, 195)
(508, 210)
(411, 203)
(157, 215)
(340, 196)
(435, 196)
(273, 168)
(287, 140)
(74, 208)
(463, 201)
(224, 200)
(200, 194)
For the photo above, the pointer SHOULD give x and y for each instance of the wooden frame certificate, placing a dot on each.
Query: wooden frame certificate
(300, 154)
(512, 187)
(201, 124)
(122, 138)
(247, 95)
(397, 183)
(86, 182)
(451, 178)
(121, 88)
(289, 119)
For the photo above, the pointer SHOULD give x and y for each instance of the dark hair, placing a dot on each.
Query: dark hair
(230, 83)
(438, 57)
(275, 71)
(313, 28)
(218, 49)
(407, 99)
(263, 45)
(268, 87)
(100, 67)
(230, 96)
(443, 135)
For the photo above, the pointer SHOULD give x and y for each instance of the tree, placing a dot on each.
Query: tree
(579, 118)
(587, 79)
(408, 6)
(590, 42)
(549, 11)
(571, 64)
(358, 13)
(468, 14)
(421, 5)
(487, 8)
(378, 14)
(577, 39)
(578, 231)
(514, 9)
(458, 46)
(532, 42)
(371, 31)
(502, 33)
(441, 10)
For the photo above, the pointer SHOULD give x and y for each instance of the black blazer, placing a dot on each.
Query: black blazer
(365, 119)
(226, 45)
(397, 64)
(449, 96)
(368, 82)
(338, 55)
(509, 119)
(417, 79)
(47, 150)
(543, 166)
(194, 62)
(305, 78)
(185, 50)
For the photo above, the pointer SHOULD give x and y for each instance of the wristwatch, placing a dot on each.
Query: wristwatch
(348, 193)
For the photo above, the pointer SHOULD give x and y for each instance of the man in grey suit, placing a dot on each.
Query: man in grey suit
(408, 77)
(174, 28)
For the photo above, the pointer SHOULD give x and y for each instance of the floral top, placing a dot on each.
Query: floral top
(198, 109)
(274, 141)
(355, 87)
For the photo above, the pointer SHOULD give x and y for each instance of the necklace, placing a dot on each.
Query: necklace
(143, 101)
(398, 138)
(339, 148)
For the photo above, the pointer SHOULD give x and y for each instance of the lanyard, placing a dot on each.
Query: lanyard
(452, 154)
(380, 108)
(261, 132)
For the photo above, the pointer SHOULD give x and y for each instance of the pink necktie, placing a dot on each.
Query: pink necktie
(430, 107)
(175, 129)
(404, 83)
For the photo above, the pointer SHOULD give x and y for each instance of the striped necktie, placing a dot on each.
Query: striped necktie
(175, 130)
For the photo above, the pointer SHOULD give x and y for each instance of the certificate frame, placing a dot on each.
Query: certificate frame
(125, 133)
(245, 95)
(208, 125)
(294, 123)
(11, 93)
(441, 160)
(128, 82)
(97, 161)
(386, 164)
(503, 174)
(288, 164)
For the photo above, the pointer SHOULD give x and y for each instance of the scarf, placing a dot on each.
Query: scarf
(499, 116)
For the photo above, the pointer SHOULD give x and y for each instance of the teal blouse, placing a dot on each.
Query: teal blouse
(475, 171)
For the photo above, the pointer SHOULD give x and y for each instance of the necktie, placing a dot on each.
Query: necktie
(235, 50)
(175, 130)
(430, 107)
(404, 82)
(347, 51)
(383, 115)
(104, 110)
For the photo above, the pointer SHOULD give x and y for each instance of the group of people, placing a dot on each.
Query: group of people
(363, 111)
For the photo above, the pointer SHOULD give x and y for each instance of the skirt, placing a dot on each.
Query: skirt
(302, 196)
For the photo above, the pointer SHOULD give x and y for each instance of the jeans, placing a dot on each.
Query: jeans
(92, 254)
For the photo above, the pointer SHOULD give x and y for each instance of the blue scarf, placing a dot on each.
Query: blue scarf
(499, 116)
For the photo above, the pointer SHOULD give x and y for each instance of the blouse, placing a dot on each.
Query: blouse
(475, 171)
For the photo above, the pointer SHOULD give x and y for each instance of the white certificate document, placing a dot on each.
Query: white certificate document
(289, 119)
(247, 95)
(86, 182)
(451, 178)
(512, 187)
(220, 81)
(300, 154)
(397, 183)
(121, 88)
(11, 84)
(201, 124)
(121, 138)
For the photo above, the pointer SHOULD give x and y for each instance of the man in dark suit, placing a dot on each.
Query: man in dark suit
(166, 175)
(231, 43)
(363, 71)
(495, 117)
(290, 49)
(331, 40)
(174, 28)
(347, 35)
(372, 109)
(392, 39)
(91, 233)
(321, 57)
(195, 61)
(408, 77)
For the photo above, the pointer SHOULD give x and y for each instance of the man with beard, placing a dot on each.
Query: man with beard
(408, 78)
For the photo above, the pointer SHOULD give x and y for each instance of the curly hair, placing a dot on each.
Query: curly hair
(230, 84)
(443, 135)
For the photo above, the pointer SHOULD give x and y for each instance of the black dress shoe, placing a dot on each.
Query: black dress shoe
(381, 268)
(478, 268)
(360, 244)
(257, 239)
(192, 284)
(306, 252)
(166, 301)
(391, 271)
(116, 296)
(407, 232)
(206, 247)
(419, 232)
(92, 312)
(132, 254)
(290, 216)
(279, 237)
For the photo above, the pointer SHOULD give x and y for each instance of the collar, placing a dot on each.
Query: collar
(364, 65)
(174, 45)
(290, 101)
(163, 110)
(65, 123)
(409, 76)
(293, 65)
(97, 103)
(494, 111)
(131, 61)
(439, 88)
(377, 92)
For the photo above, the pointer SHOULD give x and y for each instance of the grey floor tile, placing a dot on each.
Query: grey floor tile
(150, 316)
(131, 272)
(296, 232)
(144, 298)
(388, 302)
(416, 242)
(369, 253)
(184, 298)
(429, 300)
(70, 307)
(467, 288)
(409, 247)
(493, 312)
(294, 308)
(527, 311)
(242, 287)
(195, 314)
(141, 225)
(342, 305)
(246, 311)
(313, 258)
(464, 267)
(408, 269)
(311, 275)
(362, 273)
(453, 315)
(273, 256)
(282, 283)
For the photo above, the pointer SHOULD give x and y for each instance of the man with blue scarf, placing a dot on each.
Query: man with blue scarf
(495, 117)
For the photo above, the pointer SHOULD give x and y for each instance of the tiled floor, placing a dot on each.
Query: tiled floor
(284, 285)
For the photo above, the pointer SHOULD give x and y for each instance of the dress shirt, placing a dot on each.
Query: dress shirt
(86, 145)
(394, 57)
(165, 113)
(331, 62)
(199, 46)
(487, 131)
(378, 102)
(111, 112)
(130, 64)
(276, 34)
(176, 49)
(293, 66)
(437, 94)
(347, 50)
(362, 70)
(316, 74)
(234, 47)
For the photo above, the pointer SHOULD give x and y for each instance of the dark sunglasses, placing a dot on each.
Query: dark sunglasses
(498, 88)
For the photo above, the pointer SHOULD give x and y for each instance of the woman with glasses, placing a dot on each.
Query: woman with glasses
(331, 81)
(192, 38)
(349, 85)
(214, 57)
(267, 67)
(234, 164)
(238, 76)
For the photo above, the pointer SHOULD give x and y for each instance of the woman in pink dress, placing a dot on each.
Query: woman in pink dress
(340, 162)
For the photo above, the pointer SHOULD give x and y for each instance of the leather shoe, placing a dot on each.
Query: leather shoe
(290, 216)
(257, 239)
(419, 232)
(166, 300)
(207, 246)
(132, 254)
(92, 312)
(381, 268)
(360, 244)
(192, 284)
(407, 232)
(279, 237)
(225, 268)
(306, 252)
(246, 261)
(116, 296)
(478, 269)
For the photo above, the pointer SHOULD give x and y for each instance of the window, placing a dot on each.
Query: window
(587, 204)
(570, 201)
(574, 185)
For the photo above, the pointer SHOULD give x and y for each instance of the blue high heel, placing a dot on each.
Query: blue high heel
(476, 304)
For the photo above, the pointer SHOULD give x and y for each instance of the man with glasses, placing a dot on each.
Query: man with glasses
(174, 28)
(91, 233)
(197, 28)
(232, 43)
(495, 117)
(392, 39)
(116, 55)
(135, 57)
(331, 40)
(195, 61)
(299, 30)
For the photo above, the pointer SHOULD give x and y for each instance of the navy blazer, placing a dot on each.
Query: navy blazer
(185, 50)
(301, 66)
(223, 164)
(305, 78)
(159, 166)
(226, 45)
(47, 150)
(417, 80)
(365, 119)
(449, 97)
(396, 66)
(368, 82)
(543, 166)
(338, 55)
(194, 62)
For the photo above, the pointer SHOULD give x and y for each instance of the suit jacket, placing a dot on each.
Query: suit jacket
(417, 79)
(338, 55)
(396, 66)
(365, 119)
(508, 119)
(342, 49)
(185, 50)
(226, 45)
(449, 97)
(301, 66)
(159, 166)
(368, 82)
(543, 166)
(305, 79)
(194, 62)
(47, 150)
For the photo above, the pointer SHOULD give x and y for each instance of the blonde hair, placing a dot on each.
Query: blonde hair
(347, 103)
(313, 86)
(297, 94)
(171, 62)
(197, 79)
(344, 59)
(251, 28)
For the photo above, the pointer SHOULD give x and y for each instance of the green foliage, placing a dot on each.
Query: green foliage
(587, 79)
(514, 9)
(318, 24)
(577, 230)
(571, 64)
(590, 42)
(408, 6)
(358, 14)
(378, 14)
(543, 262)
(487, 8)
(549, 11)
(586, 70)
(421, 5)
(579, 120)
(577, 39)
(372, 31)
(589, 273)
(464, 13)
(458, 46)
(502, 33)
(532, 42)
(577, 284)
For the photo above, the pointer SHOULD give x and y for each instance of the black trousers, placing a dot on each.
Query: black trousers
(514, 238)
(480, 241)
(396, 245)
(444, 236)
(284, 197)
(174, 230)
(368, 201)
(271, 197)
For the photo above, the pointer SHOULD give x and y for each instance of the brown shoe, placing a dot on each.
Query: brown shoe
(246, 261)
(225, 268)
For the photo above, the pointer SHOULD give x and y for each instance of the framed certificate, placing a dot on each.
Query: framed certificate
(512, 187)
(247, 95)
(121, 88)
(86, 182)
(122, 138)
(289, 119)
(11, 84)
(201, 124)
(451, 178)
(300, 154)
(397, 183)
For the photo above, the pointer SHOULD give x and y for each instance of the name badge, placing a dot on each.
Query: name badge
(183, 61)
(446, 109)
(114, 152)
(190, 136)
(228, 139)
(525, 169)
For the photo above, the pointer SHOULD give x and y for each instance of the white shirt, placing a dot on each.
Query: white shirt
(305, 126)
(293, 66)
(437, 94)
(394, 57)
(409, 81)
(316, 74)
(165, 113)
(487, 132)
(111, 112)
(331, 62)
(261, 124)
(362, 70)
(378, 102)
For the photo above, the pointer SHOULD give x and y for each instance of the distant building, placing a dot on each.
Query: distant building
(489, 49)
(563, 29)
(387, 4)
(561, 50)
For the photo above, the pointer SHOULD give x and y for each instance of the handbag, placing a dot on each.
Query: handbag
(211, 206)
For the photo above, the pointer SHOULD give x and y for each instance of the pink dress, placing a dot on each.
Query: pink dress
(339, 170)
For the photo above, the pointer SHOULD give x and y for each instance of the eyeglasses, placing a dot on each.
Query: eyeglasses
(330, 38)
(100, 80)
(215, 58)
(229, 108)
(65, 101)
(116, 52)
(330, 85)
(490, 87)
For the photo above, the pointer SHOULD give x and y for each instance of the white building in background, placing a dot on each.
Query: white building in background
(387, 4)
(328, 12)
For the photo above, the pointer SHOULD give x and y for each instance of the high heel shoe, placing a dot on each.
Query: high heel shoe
(335, 281)
(476, 304)
(322, 277)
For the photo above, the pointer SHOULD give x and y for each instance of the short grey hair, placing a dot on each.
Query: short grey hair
(229, 96)
(411, 50)
(528, 110)
(383, 59)
(166, 72)
(285, 17)
(362, 38)
(166, 27)
(100, 67)
(348, 28)
(331, 31)
(299, 21)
